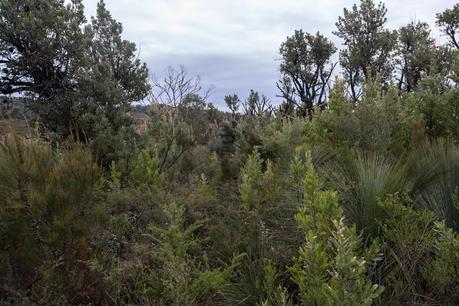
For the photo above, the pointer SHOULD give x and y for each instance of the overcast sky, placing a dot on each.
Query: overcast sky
(233, 44)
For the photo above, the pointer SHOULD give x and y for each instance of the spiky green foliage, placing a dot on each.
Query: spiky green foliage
(48, 210)
(329, 270)
(362, 181)
(379, 122)
(435, 176)
(254, 181)
(275, 293)
(438, 107)
(182, 279)
(251, 181)
(145, 171)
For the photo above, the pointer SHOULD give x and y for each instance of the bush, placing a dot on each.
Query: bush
(329, 269)
(48, 212)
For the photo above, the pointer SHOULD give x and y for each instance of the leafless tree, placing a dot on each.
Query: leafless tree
(175, 86)
(168, 99)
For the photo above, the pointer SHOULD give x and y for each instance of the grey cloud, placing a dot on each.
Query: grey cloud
(233, 44)
(225, 73)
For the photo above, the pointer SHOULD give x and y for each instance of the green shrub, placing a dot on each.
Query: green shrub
(48, 211)
(329, 269)
(421, 256)
(181, 278)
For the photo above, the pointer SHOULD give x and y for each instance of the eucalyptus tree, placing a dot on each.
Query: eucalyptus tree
(448, 21)
(256, 105)
(305, 70)
(232, 102)
(368, 45)
(416, 52)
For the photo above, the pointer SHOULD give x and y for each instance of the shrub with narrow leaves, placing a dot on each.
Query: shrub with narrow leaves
(329, 269)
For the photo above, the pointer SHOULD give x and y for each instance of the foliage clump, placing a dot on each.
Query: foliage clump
(329, 269)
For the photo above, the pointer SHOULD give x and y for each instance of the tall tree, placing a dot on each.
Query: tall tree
(232, 102)
(448, 21)
(79, 76)
(42, 50)
(416, 53)
(306, 70)
(115, 77)
(118, 55)
(256, 105)
(368, 44)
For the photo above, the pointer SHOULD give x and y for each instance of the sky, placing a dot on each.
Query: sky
(233, 45)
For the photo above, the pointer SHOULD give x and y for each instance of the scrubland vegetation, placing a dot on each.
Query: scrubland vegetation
(347, 193)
